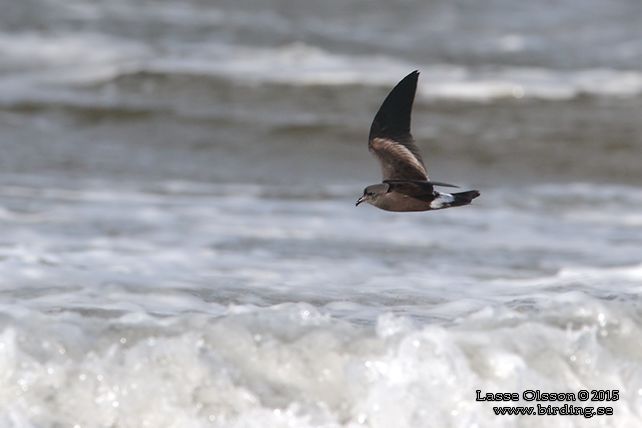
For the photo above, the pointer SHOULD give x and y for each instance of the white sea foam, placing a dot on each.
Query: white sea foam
(188, 304)
(182, 304)
(293, 365)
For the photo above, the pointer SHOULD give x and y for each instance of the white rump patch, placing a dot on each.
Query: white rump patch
(444, 199)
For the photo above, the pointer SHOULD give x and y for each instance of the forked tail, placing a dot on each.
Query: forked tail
(464, 198)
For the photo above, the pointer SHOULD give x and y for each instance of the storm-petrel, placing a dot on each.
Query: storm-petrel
(405, 185)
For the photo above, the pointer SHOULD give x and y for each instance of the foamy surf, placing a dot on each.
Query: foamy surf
(296, 365)
(185, 304)
(180, 246)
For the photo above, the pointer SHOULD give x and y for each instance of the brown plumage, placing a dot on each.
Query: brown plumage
(405, 185)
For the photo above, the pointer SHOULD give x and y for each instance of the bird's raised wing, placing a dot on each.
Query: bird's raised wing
(390, 138)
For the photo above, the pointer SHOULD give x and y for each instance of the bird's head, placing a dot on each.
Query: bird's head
(372, 193)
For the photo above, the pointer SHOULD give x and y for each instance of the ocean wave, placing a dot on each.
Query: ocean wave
(292, 364)
(300, 64)
(74, 60)
(188, 304)
(283, 242)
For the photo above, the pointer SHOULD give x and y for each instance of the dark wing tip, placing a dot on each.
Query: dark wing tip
(393, 118)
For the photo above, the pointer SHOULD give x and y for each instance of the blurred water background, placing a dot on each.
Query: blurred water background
(179, 244)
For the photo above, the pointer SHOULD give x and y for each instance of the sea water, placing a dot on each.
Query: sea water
(179, 244)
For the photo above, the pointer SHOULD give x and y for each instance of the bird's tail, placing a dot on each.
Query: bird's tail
(464, 198)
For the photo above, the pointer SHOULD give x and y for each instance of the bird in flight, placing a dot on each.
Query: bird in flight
(405, 185)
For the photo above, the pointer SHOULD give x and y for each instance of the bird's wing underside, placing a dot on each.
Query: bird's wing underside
(390, 138)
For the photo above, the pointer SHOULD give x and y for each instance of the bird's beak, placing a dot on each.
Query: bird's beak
(361, 199)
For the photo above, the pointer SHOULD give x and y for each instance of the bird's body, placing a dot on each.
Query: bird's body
(405, 185)
(395, 201)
